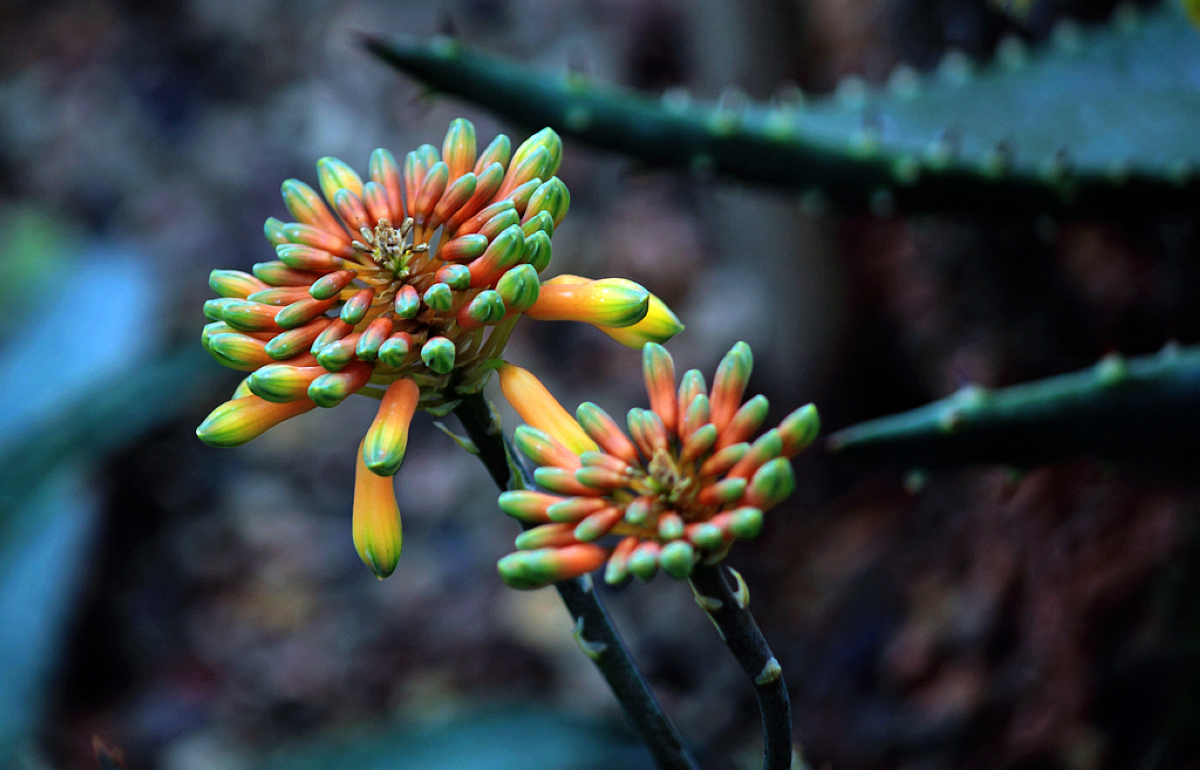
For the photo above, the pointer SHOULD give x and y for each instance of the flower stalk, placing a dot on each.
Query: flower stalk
(729, 610)
(594, 631)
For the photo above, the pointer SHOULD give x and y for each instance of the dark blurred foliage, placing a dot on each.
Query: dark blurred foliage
(993, 617)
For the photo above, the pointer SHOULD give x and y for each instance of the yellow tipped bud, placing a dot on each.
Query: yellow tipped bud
(539, 409)
(377, 534)
(458, 148)
(235, 422)
(335, 175)
(608, 302)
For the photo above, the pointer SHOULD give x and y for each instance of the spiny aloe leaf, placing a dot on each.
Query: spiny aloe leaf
(1098, 119)
(1148, 405)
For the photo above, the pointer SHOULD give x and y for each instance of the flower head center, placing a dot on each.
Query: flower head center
(674, 486)
(389, 246)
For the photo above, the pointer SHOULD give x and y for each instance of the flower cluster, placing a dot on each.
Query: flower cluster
(680, 488)
(405, 288)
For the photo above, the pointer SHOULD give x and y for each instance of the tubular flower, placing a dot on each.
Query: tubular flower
(403, 286)
(680, 488)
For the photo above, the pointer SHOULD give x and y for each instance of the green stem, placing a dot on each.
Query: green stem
(1117, 407)
(594, 630)
(730, 614)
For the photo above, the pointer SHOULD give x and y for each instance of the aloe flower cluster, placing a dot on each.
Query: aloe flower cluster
(404, 287)
(683, 485)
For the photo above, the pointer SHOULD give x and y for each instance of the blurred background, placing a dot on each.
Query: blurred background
(204, 608)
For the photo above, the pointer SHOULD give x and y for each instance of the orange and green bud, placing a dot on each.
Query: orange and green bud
(329, 286)
(281, 383)
(246, 316)
(503, 252)
(535, 569)
(457, 277)
(273, 229)
(575, 509)
(408, 302)
(352, 210)
(767, 447)
(386, 441)
(280, 296)
(296, 341)
(497, 153)
(302, 311)
(301, 257)
(335, 175)
(677, 559)
(487, 184)
(394, 351)
(276, 273)
(659, 325)
(605, 431)
(385, 172)
(542, 221)
(239, 351)
(546, 536)
(432, 187)
(242, 419)
(458, 148)
(643, 562)
(486, 308)
(336, 330)
(464, 248)
(372, 338)
(528, 506)
(439, 298)
(332, 388)
(519, 288)
(499, 223)
(355, 309)
(438, 354)
(598, 524)
(773, 482)
(659, 370)
(799, 429)
(524, 168)
(746, 420)
(551, 198)
(543, 449)
(733, 374)
(745, 523)
(457, 194)
(335, 355)
(376, 521)
(522, 194)
(234, 283)
(306, 206)
(537, 251)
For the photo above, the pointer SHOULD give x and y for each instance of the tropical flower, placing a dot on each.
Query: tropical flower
(685, 486)
(405, 288)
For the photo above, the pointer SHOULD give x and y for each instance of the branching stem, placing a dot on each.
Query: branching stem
(594, 631)
(728, 608)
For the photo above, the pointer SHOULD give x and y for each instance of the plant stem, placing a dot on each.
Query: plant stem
(594, 631)
(729, 612)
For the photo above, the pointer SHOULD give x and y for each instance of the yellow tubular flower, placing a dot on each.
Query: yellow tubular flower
(538, 408)
(659, 324)
(376, 524)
